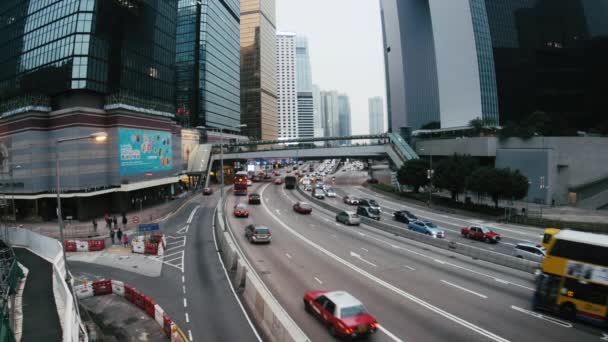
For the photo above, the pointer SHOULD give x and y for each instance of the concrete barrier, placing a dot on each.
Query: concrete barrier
(269, 315)
(451, 245)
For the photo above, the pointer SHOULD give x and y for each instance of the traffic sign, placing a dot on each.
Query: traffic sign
(136, 219)
(148, 227)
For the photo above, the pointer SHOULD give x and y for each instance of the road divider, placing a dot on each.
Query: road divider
(270, 316)
(470, 251)
(145, 303)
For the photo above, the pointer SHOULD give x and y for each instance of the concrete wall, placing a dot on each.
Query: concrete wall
(477, 147)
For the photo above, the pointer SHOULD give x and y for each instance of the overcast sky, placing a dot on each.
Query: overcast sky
(345, 39)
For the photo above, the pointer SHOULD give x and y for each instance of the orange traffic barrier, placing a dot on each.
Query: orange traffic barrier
(97, 245)
(102, 287)
(70, 245)
(149, 304)
(151, 248)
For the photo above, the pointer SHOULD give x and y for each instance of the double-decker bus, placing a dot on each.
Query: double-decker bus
(574, 278)
(240, 183)
(548, 235)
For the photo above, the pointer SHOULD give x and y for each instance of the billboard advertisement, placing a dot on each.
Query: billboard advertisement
(143, 151)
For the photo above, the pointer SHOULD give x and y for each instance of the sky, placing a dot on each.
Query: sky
(346, 52)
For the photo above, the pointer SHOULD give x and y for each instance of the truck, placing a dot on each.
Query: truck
(240, 183)
(290, 182)
(480, 233)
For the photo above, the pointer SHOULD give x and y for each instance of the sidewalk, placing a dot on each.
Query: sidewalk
(77, 229)
(122, 258)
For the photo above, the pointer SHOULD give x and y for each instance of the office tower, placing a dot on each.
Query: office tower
(286, 86)
(344, 118)
(319, 122)
(208, 63)
(499, 60)
(306, 122)
(376, 115)
(258, 69)
(73, 68)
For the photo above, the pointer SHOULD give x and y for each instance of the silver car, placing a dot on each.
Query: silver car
(349, 218)
(529, 251)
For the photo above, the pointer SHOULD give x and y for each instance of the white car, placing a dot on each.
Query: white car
(330, 193)
(529, 251)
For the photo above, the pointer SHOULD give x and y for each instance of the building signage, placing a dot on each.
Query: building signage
(148, 227)
(596, 274)
(142, 151)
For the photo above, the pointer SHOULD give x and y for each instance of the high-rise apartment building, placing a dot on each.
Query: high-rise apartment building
(306, 123)
(258, 69)
(208, 63)
(344, 118)
(500, 60)
(286, 86)
(75, 67)
(376, 115)
(319, 123)
(330, 113)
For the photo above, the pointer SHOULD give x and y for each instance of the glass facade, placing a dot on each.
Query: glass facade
(306, 115)
(551, 56)
(258, 69)
(125, 48)
(376, 115)
(344, 116)
(208, 62)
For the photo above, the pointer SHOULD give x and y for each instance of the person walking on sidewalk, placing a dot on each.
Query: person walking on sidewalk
(119, 236)
(94, 225)
(108, 222)
(112, 234)
(115, 222)
(125, 240)
(124, 221)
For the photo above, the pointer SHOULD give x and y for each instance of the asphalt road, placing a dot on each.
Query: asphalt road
(417, 292)
(193, 288)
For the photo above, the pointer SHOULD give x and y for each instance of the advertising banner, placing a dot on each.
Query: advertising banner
(142, 151)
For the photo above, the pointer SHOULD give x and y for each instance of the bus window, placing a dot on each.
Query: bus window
(549, 233)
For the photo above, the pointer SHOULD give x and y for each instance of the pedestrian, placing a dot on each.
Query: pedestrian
(112, 234)
(94, 225)
(107, 218)
(119, 235)
(125, 240)
(124, 221)
(115, 222)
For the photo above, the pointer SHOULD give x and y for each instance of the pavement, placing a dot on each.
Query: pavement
(120, 320)
(192, 286)
(122, 258)
(40, 317)
(417, 292)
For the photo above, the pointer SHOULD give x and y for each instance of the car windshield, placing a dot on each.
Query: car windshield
(352, 311)
(374, 211)
(486, 230)
(374, 203)
(241, 206)
(262, 230)
(254, 195)
(305, 206)
(431, 225)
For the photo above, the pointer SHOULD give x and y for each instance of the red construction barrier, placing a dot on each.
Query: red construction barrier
(70, 245)
(129, 293)
(102, 287)
(156, 238)
(138, 299)
(97, 245)
(167, 324)
(149, 304)
(151, 248)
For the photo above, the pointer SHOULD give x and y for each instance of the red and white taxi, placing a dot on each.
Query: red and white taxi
(343, 314)
(241, 210)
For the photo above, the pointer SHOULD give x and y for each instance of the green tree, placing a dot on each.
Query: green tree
(413, 173)
(451, 173)
(519, 185)
(498, 183)
(477, 124)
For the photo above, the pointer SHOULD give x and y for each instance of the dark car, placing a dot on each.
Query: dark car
(302, 208)
(258, 234)
(404, 216)
(207, 191)
(254, 198)
(351, 200)
(256, 179)
(367, 202)
(372, 213)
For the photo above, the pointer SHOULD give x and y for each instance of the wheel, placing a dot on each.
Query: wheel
(568, 311)
(332, 330)
(487, 240)
(307, 307)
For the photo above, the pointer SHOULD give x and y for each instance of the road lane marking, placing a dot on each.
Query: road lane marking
(184, 288)
(187, 318)
(409, 267)
(439, 261)
(604, 337)
(318, 280)
(361, 234)
(543, 317)
(389, 334)
(192, 214)
(355, 255)
(364, 249)
(464, 289)
(190, 335)
(185, 303)
(183, 279)
(389, 286)
(501, 281)
(287, 255)
(183, 230)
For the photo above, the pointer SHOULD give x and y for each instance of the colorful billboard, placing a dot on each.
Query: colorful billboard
(144, 151)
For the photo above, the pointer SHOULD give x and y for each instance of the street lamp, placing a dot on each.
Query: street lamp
(219, 130)
(96, 137)
(13, 168)
(429, 175)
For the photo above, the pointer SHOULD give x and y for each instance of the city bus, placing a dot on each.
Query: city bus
(574, 278)
(240, 183)
(549, 233)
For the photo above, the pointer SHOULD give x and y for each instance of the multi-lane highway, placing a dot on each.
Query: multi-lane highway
(417, 292)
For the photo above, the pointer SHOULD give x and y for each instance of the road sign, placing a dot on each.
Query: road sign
(136, 219)
(148, 227)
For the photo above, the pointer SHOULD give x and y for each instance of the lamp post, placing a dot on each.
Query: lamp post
(219, 130)
(429, 175)
(96, 137)
(13, 168)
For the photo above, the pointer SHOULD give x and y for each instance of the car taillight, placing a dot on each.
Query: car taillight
(374, 325)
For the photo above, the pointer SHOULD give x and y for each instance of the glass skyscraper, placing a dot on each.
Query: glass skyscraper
(124, 49)
(376, 115)
(258, 69)
(208, 62)
(344, 118)
(306, 122)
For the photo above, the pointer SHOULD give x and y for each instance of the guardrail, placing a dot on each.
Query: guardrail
(51, 250)
(470, 251)
(275, 322)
